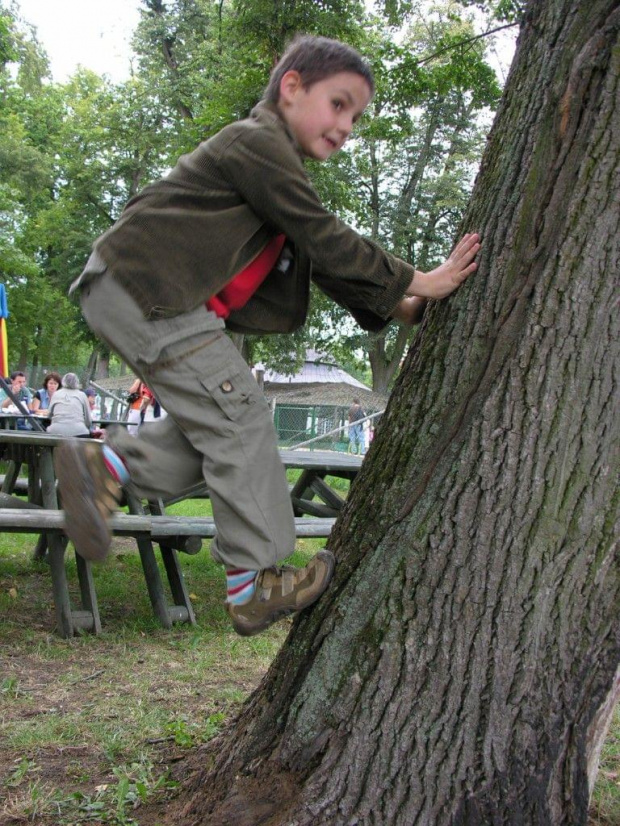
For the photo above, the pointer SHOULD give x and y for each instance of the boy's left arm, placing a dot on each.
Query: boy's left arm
(410, 310)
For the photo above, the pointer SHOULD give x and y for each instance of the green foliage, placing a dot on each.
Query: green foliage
(113, 803)
(508, 10)
(398, 11)
(8, 51)
(187, 732)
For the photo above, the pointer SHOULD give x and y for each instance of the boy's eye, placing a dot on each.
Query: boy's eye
(337, 104)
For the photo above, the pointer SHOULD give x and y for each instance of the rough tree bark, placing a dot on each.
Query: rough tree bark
(453, 671)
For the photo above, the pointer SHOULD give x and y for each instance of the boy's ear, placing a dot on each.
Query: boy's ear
(290, 84)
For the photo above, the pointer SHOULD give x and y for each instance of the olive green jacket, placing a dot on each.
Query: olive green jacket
(183, 238)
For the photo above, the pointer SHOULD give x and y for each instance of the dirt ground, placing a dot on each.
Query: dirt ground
(75, 686)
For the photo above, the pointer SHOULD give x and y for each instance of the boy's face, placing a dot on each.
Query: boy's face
(321, 118)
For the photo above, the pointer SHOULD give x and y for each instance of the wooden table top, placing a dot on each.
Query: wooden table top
(31, 438)
(322, 460)
(312, 459)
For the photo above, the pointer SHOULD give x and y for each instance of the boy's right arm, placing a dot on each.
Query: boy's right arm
(443, 280)
(268, 175)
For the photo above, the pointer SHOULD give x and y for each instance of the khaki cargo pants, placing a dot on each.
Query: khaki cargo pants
(218, 429)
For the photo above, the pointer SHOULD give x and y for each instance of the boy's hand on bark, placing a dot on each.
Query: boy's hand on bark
(443, 280)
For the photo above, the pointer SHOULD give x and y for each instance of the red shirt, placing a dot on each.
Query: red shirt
(244, 284)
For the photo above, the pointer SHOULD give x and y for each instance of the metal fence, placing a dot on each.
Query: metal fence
(319, 427)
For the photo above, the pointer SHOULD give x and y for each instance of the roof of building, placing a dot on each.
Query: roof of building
(330, 395)
(317, 369)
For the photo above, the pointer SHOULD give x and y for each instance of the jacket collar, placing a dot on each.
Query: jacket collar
(266, 110)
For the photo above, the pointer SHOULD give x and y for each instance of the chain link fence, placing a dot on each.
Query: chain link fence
(319, 427)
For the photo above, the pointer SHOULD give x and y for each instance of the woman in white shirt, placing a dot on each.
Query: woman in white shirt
(69, 409)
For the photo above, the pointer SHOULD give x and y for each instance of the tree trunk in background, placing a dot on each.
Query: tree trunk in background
(103, 362)
(453, 671)
(384, 369)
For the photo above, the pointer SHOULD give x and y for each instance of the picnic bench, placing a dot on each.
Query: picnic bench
(147, 522)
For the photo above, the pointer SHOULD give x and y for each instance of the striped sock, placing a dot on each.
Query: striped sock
(115, 465)
(240, 584)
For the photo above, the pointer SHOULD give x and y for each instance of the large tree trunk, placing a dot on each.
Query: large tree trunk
(453, 671)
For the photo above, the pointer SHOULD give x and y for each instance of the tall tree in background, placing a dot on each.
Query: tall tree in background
(71, 155)
(454, 671)
(42, 321)
(411, 169)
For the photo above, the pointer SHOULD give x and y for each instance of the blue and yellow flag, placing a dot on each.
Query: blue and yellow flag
(4, 347)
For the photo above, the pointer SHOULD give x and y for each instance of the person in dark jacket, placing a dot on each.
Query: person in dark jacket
(357, 443)
(231, 239)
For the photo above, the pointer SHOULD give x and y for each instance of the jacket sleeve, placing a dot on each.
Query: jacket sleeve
(262, 164)
(344, 293)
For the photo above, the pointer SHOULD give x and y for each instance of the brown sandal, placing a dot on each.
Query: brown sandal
(89, 496)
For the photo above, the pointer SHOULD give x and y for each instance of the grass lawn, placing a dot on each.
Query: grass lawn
(92, 726)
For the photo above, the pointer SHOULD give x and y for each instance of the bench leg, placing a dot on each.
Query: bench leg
(154, 584)
(60, 590)
(303, 489)
(183, 608)
(166, 614)
(10, 477)
(40, 549)
(176, 579)
(87, 592)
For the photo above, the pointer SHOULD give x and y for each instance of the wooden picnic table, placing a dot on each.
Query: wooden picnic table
(103, 423)
(315, 467)
(147, 522)
(35, 450)
(8, 421)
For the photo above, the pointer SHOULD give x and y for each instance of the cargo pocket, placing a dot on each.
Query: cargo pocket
(233, 390)
(172, 340)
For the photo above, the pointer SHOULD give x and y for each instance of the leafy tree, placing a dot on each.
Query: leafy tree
(413, 163)
(71, 156)
(41, 322)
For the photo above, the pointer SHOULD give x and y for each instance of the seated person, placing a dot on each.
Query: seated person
(42, 398)
(91, 398)
(21, 392)
(69, 409)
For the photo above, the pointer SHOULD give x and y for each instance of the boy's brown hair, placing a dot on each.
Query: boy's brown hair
(317, 58)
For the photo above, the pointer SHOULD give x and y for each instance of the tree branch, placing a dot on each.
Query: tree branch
(464, 43)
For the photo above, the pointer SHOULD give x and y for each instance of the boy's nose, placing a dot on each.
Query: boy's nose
(346, 125)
